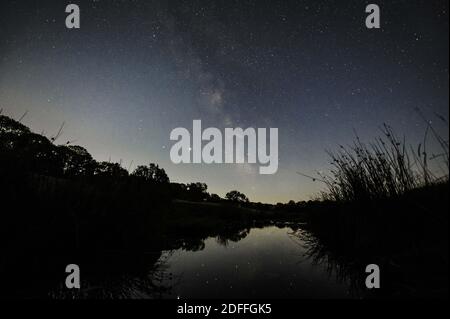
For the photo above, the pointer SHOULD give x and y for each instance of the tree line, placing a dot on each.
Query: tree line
(24, 151)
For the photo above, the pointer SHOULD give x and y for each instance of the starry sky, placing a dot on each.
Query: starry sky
(136, 70)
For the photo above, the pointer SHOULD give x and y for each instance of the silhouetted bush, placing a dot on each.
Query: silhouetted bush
(151, 173)
(236, 197)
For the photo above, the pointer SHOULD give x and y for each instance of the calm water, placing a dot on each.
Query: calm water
(264, 262)
(267, 262)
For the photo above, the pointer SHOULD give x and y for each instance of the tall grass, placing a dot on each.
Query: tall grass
(385, 202)
(384, 168)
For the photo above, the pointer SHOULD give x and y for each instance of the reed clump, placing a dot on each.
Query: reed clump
(384, 168)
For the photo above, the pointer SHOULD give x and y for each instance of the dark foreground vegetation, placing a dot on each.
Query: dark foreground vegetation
(383, 205)
(388, 207)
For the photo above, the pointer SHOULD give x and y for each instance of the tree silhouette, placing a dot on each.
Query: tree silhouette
(152, 173)
(77, 161)
(215, 198)
(27, 151)
(237, 197)
(107, 169)
(8, 125)
(197, 191)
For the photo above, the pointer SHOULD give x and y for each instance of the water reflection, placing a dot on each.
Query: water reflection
(250, 262)
(103, 278)
(268, 262)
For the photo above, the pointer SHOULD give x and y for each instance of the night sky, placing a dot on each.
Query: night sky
(135, 70)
